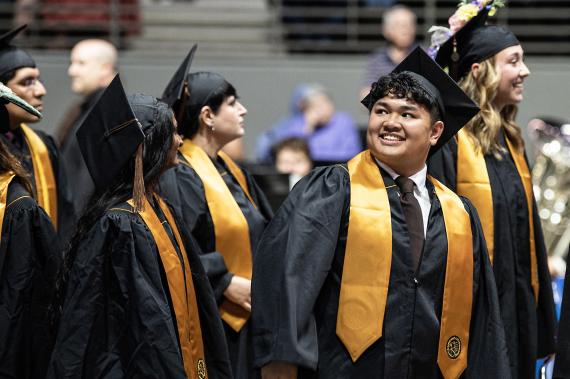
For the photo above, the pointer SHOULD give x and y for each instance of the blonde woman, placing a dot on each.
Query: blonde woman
(486, 163)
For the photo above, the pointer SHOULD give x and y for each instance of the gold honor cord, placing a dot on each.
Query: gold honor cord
(524, 173)
(473, 183)
(230, 226)
(366, 276)
(181, 289)
(43, 174)
(5, 180)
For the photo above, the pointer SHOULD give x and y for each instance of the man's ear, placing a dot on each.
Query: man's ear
(436, 131)
(475, 69)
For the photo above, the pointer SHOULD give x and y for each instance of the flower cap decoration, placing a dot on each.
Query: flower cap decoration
(466, 10)
(471, 41)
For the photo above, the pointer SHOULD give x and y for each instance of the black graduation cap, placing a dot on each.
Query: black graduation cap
(473, 43)
(201, 86)
(455, 106)
(175, 88)
(12, 57)
(109, 135)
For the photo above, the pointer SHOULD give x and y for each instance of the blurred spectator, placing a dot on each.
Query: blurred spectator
(399, 31)
(293, 157)
(331, 135)
(93, 66)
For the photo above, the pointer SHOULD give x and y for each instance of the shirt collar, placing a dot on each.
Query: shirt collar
(419, 178)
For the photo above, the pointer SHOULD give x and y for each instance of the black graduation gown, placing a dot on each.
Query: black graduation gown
(296, 285)
(19, 148)
(183, 188)
(30, 258)
(529, 328)
(118, 320)
(562, 362)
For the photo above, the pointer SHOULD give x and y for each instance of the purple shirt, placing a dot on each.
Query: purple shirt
(338, 140)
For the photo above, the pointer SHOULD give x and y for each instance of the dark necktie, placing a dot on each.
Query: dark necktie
(414, 219)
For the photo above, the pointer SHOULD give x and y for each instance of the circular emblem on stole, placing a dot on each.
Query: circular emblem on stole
(453, 347)
(201, 369)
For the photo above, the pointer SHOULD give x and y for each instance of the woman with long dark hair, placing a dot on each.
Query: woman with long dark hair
(219, 202)
(29, 261)
(486, 163)
(137, 303)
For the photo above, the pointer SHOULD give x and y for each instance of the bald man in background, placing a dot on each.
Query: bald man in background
(93, 66)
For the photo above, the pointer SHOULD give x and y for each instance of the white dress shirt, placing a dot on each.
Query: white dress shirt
(420, 190)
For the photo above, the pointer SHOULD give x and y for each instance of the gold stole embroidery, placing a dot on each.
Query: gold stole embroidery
(473, 183)
(5, 180)
(181, 288)
(230, 226)
(43, 174)
(366, 275)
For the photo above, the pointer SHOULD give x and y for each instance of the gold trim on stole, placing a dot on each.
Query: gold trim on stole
(46, 187)
(473, 183)
(458, 287)
(181, 288)
(5, 180)
(366, 276)
(230, 226)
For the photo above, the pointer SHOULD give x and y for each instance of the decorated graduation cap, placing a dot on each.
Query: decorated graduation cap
(456, 108)
(475, 41)
(7, 96)
(112, 134)
(12, 57)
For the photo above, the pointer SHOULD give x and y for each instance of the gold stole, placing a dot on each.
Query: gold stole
(230, 226)
(367, 263)
(5, 180)
(181, 288)
(473, 183)
(43, 174)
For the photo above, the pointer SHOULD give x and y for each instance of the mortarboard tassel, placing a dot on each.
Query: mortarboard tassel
(138, 184)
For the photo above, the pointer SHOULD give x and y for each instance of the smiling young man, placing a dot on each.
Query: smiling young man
(35, 150)
(374, 269)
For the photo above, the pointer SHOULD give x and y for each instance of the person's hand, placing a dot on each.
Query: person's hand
(239, 292)
(279, 370)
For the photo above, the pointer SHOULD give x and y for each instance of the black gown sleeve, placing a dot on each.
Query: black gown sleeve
(30, 258)
(545, 310)
(442, 165)
(293, 260)
(117, 320)
(182, 188)
(487, 356)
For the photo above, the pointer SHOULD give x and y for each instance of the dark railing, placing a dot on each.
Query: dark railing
(297, 26)
(350, 26)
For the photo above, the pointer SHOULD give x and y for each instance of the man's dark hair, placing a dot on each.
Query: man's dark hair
(405, 86)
